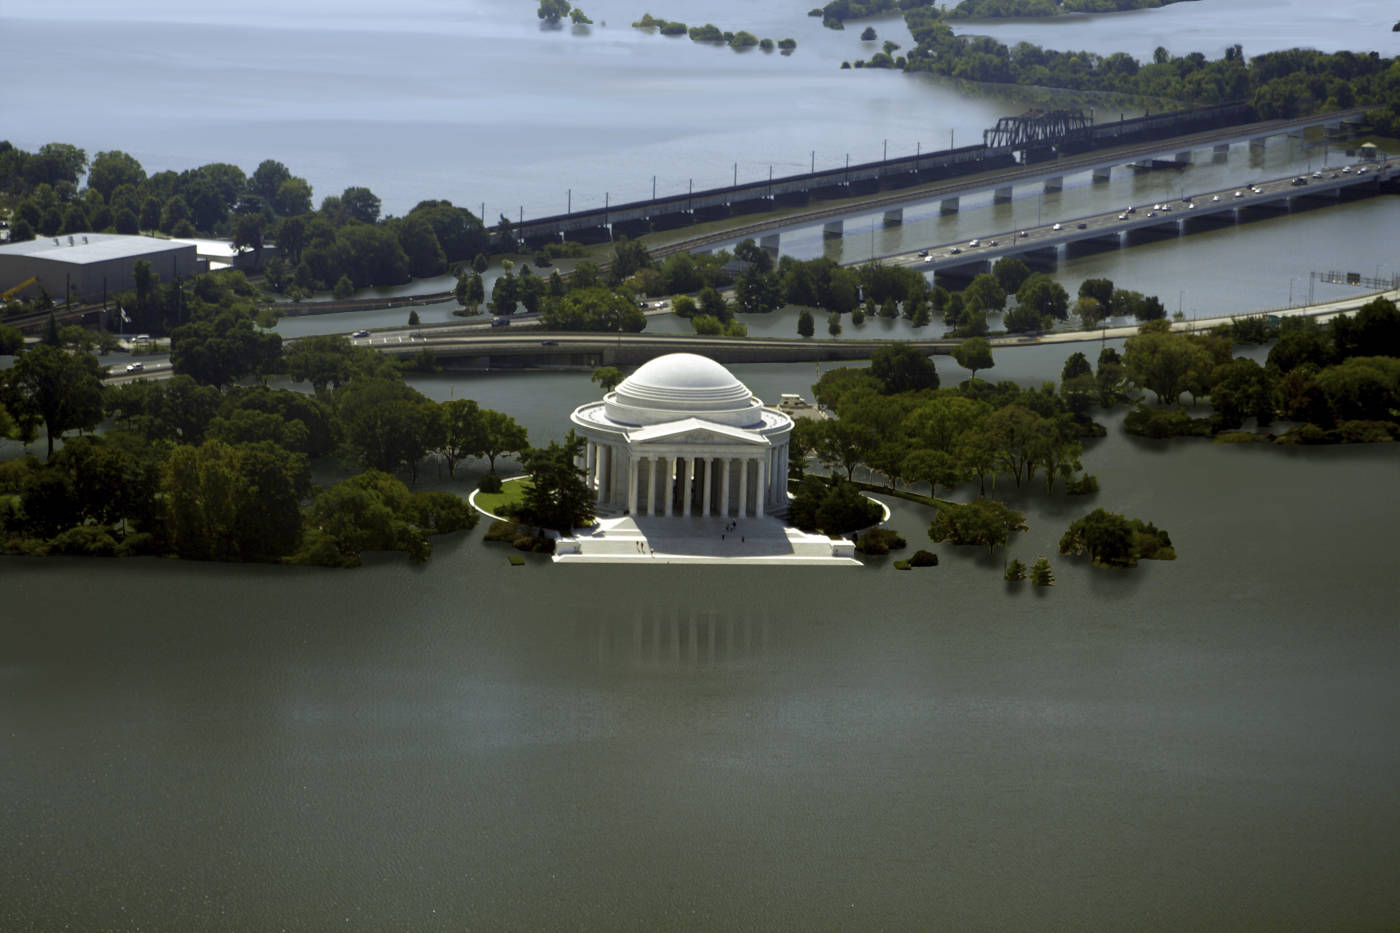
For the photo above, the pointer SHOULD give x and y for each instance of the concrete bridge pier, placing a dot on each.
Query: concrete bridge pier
(1001, 195)
(1258, 142)
(832, 229)
(1046, 259)
(673, 221)
(1183, 157)
(589, 236)
(894, 217)
(1052, 185)
(1099, 244)
(956, 278)
(769, 243)
(1103, 174)
(1164, 231)
(631, 228)
(1221, 152)
(948, 206)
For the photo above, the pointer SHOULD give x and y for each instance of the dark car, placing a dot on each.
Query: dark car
(549, 343)
(501, 321)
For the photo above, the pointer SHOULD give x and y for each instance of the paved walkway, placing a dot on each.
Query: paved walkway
(708, 540)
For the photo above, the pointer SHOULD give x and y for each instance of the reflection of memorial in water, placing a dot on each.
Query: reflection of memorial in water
(681, 638)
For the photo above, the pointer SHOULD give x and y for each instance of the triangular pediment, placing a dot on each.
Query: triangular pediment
(695, 431)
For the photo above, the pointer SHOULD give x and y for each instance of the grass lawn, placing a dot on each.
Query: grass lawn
(512, 493)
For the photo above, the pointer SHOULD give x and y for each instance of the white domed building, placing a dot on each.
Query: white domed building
(689, 467)
(682, 437)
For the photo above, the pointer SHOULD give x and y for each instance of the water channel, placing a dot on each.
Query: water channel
(1204, 744)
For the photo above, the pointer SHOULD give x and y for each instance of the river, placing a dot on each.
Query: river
(1205, 744)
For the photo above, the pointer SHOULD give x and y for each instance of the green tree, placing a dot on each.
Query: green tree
(1011, 273)
(833, 324)
(1044, 297)
(344, 288)
(227, 502)
(559, 496)
(110, 169)
(464, 432)
(806, 327)
(987, 291)
(607, 377)
(974, 353)
(470, 292)
(552, 11)
(1164, 363)
(360, 204)
(901, 368)
(982, 521)
(1111, 540)
(61, 389)
(1101, 290)
(221, 345)
(503, 436)
(386, 425)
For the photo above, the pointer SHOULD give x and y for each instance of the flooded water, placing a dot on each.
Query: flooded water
(474, 102)
(1206, 744)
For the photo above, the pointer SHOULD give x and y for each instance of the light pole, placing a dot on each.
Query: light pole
(1290, 293)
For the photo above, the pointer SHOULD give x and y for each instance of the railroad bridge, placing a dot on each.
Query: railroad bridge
(1014, 141)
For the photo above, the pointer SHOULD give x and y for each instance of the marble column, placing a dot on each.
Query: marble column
(760, 492)
(668, 465)
(743, 488)
(709, 482)
(592, 466)
(724, 488)
(683, 478)
(632, 465)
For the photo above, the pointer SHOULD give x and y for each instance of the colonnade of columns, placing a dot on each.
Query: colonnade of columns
(734, 484)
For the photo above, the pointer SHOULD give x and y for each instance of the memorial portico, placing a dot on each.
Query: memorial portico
(682, 437)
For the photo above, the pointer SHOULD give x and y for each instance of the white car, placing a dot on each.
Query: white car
(360, 333)
(135, 367)
(1215, 197)
(975, 243)
(1239, 194)
(1058, 227)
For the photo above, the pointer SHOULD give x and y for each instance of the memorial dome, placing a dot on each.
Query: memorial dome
(680, 385)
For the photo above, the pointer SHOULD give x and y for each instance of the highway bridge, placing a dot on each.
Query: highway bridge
(938, 176)
(1041, 247)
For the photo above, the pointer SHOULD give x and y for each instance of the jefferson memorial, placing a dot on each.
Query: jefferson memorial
(681, 437)
(689, 467)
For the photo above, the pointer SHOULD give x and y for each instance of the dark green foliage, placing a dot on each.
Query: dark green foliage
(923, 558)
(1086, 485)
(806, 327)
(900, 368)
(375, 511)
(1041, 574)
(1157, 423)
(832, 506)
(490, 483)
(880, 541)
(982, 521)
(55, 387)
(559, 497)
(1015, 571)
(1111, 540)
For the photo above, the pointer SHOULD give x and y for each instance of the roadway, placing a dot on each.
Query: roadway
(965, 186)
(1114, 223)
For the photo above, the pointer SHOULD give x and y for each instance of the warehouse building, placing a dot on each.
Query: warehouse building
(93, 265)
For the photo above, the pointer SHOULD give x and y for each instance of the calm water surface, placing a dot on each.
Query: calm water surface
(1203, 744)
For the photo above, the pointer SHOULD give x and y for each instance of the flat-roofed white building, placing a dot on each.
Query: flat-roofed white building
(91, 264)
